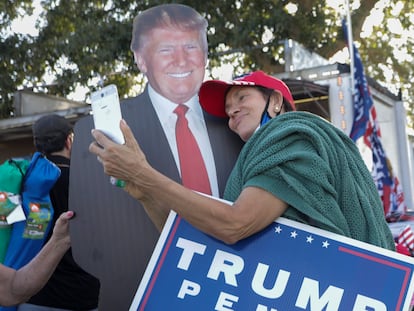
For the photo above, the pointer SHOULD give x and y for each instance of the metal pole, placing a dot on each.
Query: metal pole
(350, 45)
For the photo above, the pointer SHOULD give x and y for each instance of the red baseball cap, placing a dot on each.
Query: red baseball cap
(213, 92)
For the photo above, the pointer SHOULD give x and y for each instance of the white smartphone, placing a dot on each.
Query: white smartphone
(106, 111)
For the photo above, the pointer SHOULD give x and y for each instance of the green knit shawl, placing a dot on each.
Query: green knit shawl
(317, 169)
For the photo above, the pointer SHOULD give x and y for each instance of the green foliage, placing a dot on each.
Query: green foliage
(390, 54)
(10, 10)
(84, 42)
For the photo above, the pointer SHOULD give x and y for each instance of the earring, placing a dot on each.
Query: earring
(277, 109)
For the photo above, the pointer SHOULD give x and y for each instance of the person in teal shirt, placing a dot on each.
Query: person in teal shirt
(293, 164)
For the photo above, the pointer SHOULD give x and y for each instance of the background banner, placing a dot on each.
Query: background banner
(288, 266)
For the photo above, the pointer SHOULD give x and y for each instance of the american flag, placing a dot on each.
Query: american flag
(400, 206)
(366, 125)
(372, 138)
(406, 238)
(362, 97)
(380, 171)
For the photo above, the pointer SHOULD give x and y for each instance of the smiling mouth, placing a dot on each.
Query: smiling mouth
(240, 117)
(180, 75)
(237, 121)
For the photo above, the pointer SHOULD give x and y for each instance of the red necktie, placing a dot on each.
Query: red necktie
(193, 170)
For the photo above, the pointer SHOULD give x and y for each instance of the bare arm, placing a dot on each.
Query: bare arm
(252, 211)
(18, 286)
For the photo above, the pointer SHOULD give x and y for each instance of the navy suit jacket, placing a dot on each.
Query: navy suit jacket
(112, 237)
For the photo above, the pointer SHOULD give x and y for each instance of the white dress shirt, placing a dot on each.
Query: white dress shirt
(165, 112)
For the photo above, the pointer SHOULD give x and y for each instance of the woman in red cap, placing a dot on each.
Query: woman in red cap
(293, 164)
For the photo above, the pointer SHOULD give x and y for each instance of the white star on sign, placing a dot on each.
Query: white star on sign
(278, 229)
(309, 239)
(325, 244)
(293, 234)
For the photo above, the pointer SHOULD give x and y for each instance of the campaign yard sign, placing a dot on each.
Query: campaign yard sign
(288, 266)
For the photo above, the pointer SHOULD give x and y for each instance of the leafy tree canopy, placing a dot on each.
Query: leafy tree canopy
(80, 42)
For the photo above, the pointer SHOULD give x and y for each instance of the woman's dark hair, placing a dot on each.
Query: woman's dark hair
(267, 92)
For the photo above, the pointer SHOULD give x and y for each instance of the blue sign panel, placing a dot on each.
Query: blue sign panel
(288, 266)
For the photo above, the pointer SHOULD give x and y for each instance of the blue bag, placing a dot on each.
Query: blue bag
(28, 237)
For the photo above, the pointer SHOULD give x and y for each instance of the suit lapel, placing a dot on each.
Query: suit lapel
(141, 116)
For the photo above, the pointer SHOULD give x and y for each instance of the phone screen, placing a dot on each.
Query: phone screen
(106, 112)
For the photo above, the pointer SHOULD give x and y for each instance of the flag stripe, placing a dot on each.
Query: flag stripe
(406, 237)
